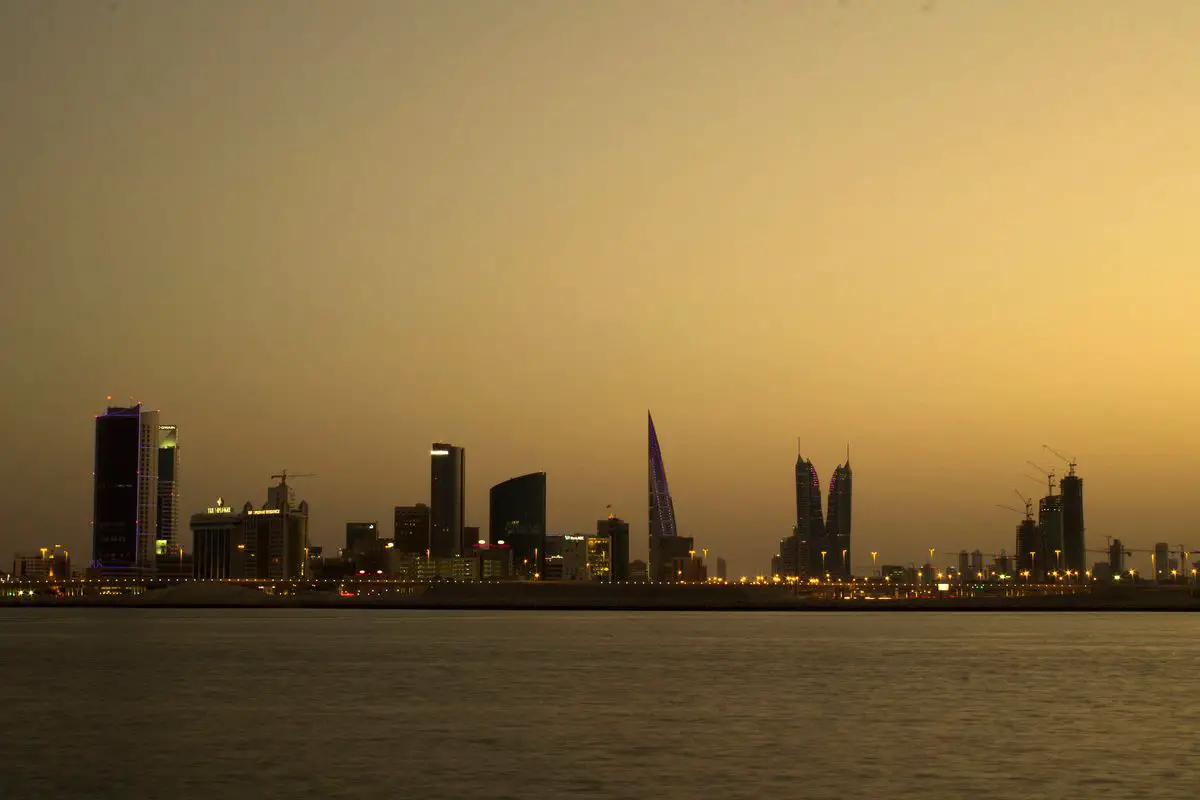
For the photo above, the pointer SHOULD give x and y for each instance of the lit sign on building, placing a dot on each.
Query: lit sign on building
(220, 507)
(261, 512)
(439, 452)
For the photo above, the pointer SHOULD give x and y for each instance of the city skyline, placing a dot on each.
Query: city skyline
(947, 236)
(159, 439)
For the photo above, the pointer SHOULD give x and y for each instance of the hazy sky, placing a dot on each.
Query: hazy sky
(322, 235)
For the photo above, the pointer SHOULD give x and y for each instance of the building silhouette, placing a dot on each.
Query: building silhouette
(362, 542)
(274, 538)
(809, 536)
(517, 517)
(1029, 550)
(216, 535)
(167, 539)
(1050, 523)
(837, 525)
(818, 547)
(616, 530)
(447, 501)
(1161, 563)
(411, 531)
(1070, 489)
(49, 563)
(665, 542)
(125, 491)
(1116, 557)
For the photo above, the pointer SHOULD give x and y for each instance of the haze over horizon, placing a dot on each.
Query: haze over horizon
(322, 236)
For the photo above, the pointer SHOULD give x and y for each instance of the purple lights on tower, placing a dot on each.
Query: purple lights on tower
(662, 509)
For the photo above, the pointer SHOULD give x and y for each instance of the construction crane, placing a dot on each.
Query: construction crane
(1028, 504)
(1049, 475)
(1070, 462)
(283, 476)
(1038, 481)
(1027, 512)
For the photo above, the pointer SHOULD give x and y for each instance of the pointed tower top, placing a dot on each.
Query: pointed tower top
(847, 454)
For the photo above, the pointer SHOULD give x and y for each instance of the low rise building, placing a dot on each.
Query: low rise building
(49, 563)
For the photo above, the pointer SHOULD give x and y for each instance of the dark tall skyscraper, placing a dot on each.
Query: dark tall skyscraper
(617, 531)
(125, 491)
(167, 538)
(412, 529)
(447, 500)
(1074, 548)
(810, 538)
(517, 517)
(1050, 522)
(837, 526)
(662, 508)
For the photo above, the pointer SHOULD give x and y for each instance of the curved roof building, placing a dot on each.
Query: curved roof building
(517, 517)
(662, 509)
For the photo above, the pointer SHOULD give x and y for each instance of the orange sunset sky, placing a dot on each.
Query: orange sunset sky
(322, 235)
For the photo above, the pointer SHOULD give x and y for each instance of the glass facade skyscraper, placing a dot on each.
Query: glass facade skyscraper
(517, 517)
(167, 516)
(125, 491)
(662, 508)
(447, 501)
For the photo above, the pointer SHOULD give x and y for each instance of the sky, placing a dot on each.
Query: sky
(321, 236)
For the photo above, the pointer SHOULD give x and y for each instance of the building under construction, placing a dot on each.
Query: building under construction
(1070, 490)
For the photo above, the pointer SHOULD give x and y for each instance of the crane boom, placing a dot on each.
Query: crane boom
(1028, 504)
(1070, 462)
(283, 475)
(1049, 477)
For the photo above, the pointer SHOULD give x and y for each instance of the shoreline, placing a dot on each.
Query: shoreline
(1068, 604)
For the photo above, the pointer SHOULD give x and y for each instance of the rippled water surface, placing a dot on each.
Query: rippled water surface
(370, 704)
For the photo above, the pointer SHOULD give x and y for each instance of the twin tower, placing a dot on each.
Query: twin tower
(819, 546)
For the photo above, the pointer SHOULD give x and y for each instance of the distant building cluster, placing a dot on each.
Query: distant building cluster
(136, 526)
(136, 531)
